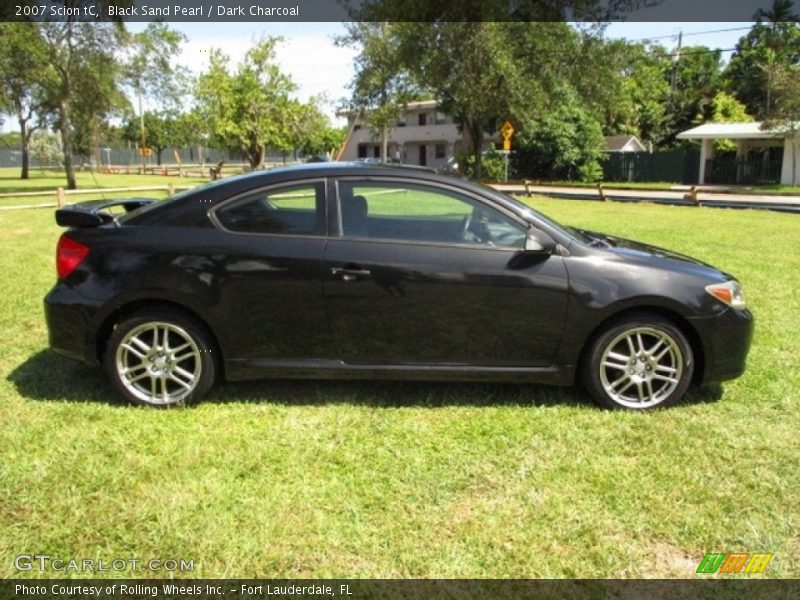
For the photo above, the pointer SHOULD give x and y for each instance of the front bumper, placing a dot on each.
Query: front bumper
(726, 341)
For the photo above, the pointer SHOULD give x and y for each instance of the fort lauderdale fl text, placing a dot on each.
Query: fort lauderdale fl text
(172, 589)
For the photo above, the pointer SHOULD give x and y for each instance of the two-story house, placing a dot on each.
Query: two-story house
(423, 135)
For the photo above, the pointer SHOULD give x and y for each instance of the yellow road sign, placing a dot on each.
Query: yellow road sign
(506, 130)
(145, 151)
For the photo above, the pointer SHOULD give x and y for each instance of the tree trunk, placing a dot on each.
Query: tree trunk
(477, 146)
(385, 144)
(158, 156)
(25, 135)
(66, 146)
(254, 158)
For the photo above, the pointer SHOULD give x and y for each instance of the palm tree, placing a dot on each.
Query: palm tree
(781, 12)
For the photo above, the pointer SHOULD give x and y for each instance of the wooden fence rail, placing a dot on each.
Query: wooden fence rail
(61, 194)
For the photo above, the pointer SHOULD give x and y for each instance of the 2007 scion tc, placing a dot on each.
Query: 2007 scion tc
(367, 271)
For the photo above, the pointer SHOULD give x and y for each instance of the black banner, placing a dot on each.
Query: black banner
(380, 10)
(715, 588)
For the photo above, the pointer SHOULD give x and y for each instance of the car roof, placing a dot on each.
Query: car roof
(337, 168)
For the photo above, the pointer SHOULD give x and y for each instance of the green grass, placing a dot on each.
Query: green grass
(375, 479)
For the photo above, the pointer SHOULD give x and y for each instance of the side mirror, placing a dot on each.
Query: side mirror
(538, 242)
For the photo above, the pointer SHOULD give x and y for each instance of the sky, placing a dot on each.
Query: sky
(317, 66)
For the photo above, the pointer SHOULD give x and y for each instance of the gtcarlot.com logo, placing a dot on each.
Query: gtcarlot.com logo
(45, 562)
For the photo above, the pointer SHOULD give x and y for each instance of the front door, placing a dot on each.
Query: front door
(423, 155)
(269, 287)
(423, 275)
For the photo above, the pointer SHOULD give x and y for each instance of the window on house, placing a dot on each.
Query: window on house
(423, 119)
(441, 118)
(440, 151)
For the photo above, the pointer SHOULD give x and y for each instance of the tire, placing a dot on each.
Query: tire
(640, 362)
(160, 358)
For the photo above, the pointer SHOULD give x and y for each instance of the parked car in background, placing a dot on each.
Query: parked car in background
(354, 270)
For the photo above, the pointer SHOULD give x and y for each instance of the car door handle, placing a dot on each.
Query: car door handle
(349, 274)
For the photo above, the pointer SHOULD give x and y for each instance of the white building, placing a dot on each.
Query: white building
(761, 155)
(423, 135)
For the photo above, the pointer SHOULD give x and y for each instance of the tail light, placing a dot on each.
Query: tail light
(69, 254)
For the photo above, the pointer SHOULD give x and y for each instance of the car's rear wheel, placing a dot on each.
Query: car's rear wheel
(160, 358)
(640, 362)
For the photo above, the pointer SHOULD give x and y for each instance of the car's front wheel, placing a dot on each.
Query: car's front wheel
(160, 358)
(640, 362)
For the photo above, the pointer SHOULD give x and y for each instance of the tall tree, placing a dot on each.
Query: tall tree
(80, 76)
(624, 85)
(784, 115)
(21, 92)
(771, 45)
(149, 69)
(246, 109)
(381, 85)
(695, 78)
(470, 69)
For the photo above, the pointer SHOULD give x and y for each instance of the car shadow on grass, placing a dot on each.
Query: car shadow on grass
(46, 376)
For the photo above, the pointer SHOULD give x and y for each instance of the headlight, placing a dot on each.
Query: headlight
(730, 293)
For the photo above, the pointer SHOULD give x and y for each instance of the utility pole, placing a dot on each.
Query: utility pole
(674, 79)
(141, 131)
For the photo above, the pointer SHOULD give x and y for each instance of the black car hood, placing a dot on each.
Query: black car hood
(634, 249)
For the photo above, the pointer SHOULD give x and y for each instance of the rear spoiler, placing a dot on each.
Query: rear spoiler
(96, 212)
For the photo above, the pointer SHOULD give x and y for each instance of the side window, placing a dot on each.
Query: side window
(420, 213)
(295, 210)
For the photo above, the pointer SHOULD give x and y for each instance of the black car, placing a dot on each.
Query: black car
(351, 270)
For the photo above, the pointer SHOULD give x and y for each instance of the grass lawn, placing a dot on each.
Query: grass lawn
(374, 479)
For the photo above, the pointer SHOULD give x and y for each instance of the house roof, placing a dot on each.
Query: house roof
(617, 143)
(729, 131)
(408, 106)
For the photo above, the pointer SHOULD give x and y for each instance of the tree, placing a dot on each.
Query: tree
(381, 85)
(46, 148)
(313, 133)
(772, 44)
(21, 92)
(727, 109)
(149, 72)
(247, 109)
(80, 78)
(695, 78)
(471, 70)
(784, 115)
(624, 85)
(560, 144)
(162, 130)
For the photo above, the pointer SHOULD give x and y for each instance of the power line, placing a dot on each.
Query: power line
(666, 37)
